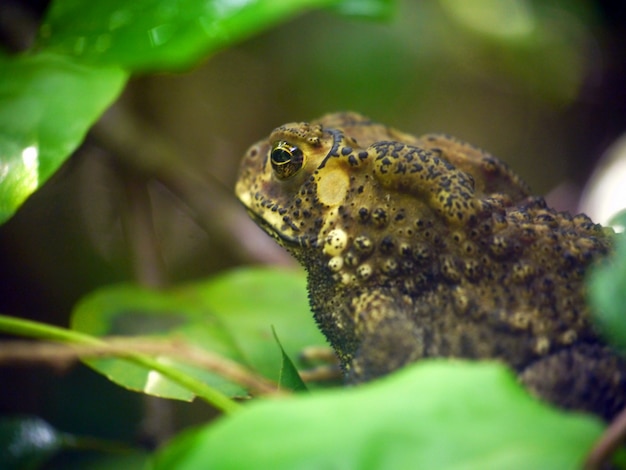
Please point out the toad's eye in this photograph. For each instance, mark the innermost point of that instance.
(287, 159)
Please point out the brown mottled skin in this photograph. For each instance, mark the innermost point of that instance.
(420, 247)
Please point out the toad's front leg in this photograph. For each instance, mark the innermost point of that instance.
(389, 337)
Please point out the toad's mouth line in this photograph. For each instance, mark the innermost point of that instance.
(268, 228)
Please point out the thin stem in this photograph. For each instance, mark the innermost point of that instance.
(612, 438)
(60, 354)
(31, 329)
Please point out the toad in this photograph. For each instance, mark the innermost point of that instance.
(423, 247)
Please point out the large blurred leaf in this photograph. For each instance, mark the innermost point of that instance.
(47, 104)
(157, 34)
(48, 101)
(440, 414)
(231, 315)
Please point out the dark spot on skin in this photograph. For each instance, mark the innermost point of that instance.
(387, 244)
(364, 214)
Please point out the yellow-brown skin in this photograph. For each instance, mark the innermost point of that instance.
(426, 246)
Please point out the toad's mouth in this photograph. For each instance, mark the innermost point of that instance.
(280, 236)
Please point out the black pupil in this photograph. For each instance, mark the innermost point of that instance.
(281, 156)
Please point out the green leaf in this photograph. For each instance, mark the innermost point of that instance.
(187, 385)
(607, 291)
(48, 101)
(289, 377)
(47, 104)
(165, 34)
(437, 414)
(231, 315)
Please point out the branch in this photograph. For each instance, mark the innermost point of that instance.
(613, 437)
(61, 355)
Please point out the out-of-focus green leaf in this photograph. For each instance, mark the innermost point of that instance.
(439, 414)
(26, 442)
(249, 302)
(48, 101)
(607, 291)
(186, 387)
(165, 34)
(231, 315)
(47, 104)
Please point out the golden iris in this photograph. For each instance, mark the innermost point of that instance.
(286, 159)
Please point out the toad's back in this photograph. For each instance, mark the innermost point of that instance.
(425, 247)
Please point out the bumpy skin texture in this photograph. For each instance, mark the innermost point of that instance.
(421, 247)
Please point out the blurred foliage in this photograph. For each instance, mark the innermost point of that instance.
(538, 82)
(39, 129)
(158, 35)
(147, 34)
(441, 414)
(211, 315)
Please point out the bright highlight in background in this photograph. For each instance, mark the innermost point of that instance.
(605, 193)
